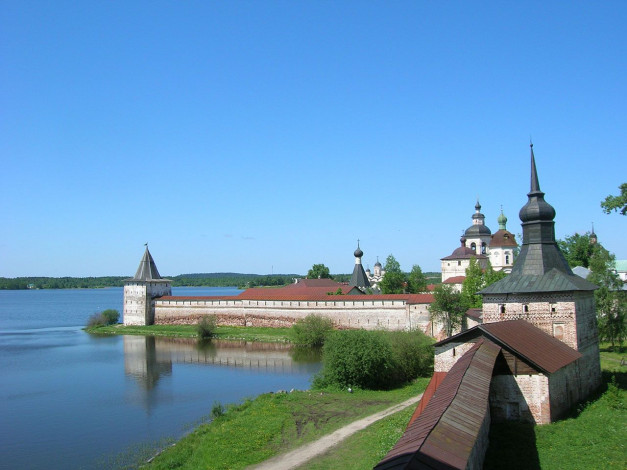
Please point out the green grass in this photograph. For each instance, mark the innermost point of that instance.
(595, 437)
(274, 423)
(366, 448)
(190, 331)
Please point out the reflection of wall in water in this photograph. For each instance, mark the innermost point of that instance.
(141, 360)
(146, 358)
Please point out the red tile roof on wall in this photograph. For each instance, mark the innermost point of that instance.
(307, 296)
(455, 280)
(444, 434)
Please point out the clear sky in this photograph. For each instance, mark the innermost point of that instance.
(265, 136)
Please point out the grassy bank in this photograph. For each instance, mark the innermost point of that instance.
(594, 437)
(274, 423)
(239, 333)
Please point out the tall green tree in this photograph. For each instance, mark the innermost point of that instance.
(616, 203)
(391, 265)
(394, 280)
(447, 308)
(474, 282)
(577, 249)
(610, 299)
(319, 271)
(417, 281)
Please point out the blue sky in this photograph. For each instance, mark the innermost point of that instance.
(265, 137)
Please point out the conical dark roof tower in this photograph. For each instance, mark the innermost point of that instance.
(540, 266)
(147, 270)
(359, 278)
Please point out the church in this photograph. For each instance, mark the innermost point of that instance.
(480, 243)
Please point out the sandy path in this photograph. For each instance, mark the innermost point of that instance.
(302, 454)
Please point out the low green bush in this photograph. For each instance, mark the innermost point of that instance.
(207, 326)
(311, 331)
(107, 317)
(376, 360)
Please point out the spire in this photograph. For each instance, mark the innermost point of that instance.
(593, 236)
(538, 233)
(147, 270)
(540, 265)
(359, 277)
(535, 183)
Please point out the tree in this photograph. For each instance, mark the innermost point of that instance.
(319, 271)
(447, 308)
(616, 203)
(474, 282)
(577, 249)
(394, 281)
(477, 279)
(391, 265)
(610, 299)
(417, 281)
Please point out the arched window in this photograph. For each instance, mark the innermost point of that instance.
(483, 247)
(473, 247)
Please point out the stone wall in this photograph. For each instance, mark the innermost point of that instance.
(477, 454)
(354, 313)
(139, 300)
(520, 398)
(555, 314)
(448, 354)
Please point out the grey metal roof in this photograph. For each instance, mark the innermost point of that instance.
(359, 278)
(540, 266)
(147, 270)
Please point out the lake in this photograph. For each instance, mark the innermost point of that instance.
(73, 400)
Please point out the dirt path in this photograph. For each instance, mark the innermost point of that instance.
(302, 454)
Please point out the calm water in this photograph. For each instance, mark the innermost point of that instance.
(72, 400)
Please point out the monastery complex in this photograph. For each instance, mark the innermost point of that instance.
(532, 354)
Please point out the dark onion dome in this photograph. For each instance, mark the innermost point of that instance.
(536, 209)
(358, 253)
(475, 230)
(377, 263)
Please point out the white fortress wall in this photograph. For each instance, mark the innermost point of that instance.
(367, 314)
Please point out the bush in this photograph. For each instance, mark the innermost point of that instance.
(111, 316)
(377, 360)
(207, 326)
(311, 330)
(108, 317)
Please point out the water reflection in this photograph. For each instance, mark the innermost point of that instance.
(148, 358)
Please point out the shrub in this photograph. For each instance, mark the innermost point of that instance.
(374, 359)
(217, 410)
(111, 316)
(207, 326)
(311, 330)
(107, 317)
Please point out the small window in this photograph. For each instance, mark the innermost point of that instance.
(483, 248)
(453, 352)
(553, 308)
(526, 308)
(473, 247)
(459, 263)
(501, 308)
(506, 259)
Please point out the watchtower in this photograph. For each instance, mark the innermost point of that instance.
(141, 291)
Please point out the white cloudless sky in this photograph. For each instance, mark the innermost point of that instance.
(263, 137)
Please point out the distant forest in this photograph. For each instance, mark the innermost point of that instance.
(189, 280)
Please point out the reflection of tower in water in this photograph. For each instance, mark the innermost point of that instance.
(141, 361)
